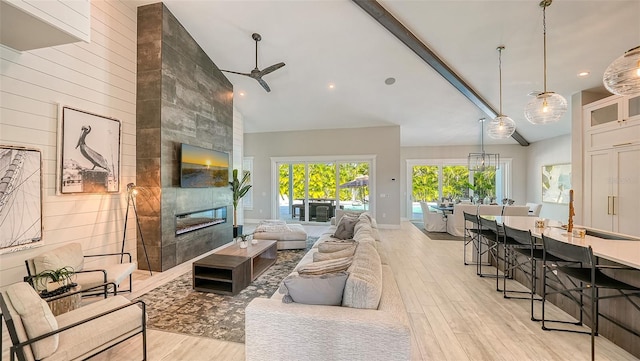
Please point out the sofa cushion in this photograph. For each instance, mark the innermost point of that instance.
(69, 255)
(363, 288)
(345, 228)
(328, 266)
(341, 213)
(325, 289)
(36, 317)
(324, 256)
(335, 245)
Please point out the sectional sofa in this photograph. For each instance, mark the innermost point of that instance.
(371, 322)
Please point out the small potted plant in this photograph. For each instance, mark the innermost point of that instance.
(244, 240)
(52, 280)
(239, 187)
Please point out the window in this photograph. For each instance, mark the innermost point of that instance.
(432, 181)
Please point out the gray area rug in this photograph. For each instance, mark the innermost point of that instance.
(436, 236)
(176, 307)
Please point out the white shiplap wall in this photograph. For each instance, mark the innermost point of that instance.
(99, 77)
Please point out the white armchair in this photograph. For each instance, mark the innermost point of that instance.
(70, 255)
(76, 335)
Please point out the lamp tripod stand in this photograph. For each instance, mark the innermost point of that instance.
(131, 192)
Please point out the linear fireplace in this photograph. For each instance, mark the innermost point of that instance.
(189, 222)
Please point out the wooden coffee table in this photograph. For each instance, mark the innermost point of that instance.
(231, 269)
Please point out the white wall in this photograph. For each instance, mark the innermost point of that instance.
(551, 151)
(382, 142)
(99, 77)
(517, 154)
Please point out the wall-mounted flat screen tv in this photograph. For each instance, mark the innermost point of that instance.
(203, 168)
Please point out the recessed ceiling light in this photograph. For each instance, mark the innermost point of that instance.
(390, 80)
(241, 94)
(331, 86)
(582, 74)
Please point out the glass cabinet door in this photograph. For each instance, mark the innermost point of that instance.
(634, 108)
(605, 114)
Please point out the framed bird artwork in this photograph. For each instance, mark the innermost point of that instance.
(90, 153)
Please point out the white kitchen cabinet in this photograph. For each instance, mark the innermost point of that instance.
(612, 189)
(612, 122)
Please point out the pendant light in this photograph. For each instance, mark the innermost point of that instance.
(546, 107)
(622, 77)
(501, 127)
(479, 162)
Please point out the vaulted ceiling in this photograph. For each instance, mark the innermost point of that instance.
(335, 42)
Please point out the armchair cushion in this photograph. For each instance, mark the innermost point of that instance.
(69, 255)
(36, 317)
(83, 339)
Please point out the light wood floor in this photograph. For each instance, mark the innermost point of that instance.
(454, 314)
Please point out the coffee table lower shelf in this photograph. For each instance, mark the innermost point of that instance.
(233, 268)
(222, 274)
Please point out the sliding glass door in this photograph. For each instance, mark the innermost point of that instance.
(443, 182)
(311, 191)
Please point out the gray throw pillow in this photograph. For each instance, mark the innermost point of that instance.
(344, 230)
(324, 289)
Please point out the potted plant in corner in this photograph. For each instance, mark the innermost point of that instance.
(239, 187)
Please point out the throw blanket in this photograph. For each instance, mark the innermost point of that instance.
(272, 226)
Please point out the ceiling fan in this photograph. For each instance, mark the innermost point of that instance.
(256, 73)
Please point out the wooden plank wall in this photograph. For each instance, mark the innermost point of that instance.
(99, 77)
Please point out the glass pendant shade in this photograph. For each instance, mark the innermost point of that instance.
(622, 77)
(545, 108)
(501, 127)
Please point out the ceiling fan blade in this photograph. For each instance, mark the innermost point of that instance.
(271, 68)
(264, 84)
(235, 72)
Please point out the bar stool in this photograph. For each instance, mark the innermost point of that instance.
(491, 234)
(580, 265)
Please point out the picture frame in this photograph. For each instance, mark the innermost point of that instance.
(20, 198)
(556, 183)
(89, 160)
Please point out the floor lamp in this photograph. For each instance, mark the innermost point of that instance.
(131, 193)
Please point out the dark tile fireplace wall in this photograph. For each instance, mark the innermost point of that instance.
(182, 97)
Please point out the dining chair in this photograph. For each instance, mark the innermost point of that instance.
(584, 278)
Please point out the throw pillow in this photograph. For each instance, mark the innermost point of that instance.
(341, 212)
(329, 266)
(345, 228)
(323, 289)
(347, 252)
(335, 245)
(36, 317)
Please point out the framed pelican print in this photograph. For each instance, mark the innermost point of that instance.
(90, 153)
